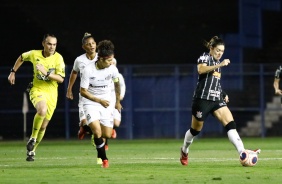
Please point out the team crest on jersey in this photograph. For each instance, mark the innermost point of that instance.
(222, 104)
(88, 117)
(203, 58)
(199, 114)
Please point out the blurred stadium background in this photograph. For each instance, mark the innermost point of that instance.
(157, 44)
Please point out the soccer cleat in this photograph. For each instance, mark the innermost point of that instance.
(106, 147)
(30, 156)
(81, 133)
(183, 157)
(30, 144)
(99, 161)
(114, 134)
(105, 164)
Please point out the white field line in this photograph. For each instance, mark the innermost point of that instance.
(130, 160)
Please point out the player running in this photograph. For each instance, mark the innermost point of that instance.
(90, 56)
(209, 98)
(95, 86)
(48, 71)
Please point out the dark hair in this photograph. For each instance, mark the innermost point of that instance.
(46, 35)
(215, 41)
(105, 48)
(86, 36)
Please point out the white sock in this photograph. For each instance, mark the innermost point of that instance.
(236, 140)
(187, 141)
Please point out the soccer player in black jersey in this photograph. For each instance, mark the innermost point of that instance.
(210, 99)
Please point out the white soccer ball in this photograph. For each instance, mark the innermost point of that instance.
(248, 158)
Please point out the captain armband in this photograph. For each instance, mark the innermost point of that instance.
(116, 79)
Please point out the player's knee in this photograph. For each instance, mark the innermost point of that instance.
(107, 134)
(230, 125)
(95, 129)
(194, 132)
(42, 112)
(98, 142)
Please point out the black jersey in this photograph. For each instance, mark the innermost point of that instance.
(278, 73)
(208, 86)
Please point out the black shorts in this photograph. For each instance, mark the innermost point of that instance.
(202, 108)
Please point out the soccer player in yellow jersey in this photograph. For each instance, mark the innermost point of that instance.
(48, 71)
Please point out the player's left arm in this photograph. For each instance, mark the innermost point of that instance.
(122, 87)
(50, 75)
(117, 91)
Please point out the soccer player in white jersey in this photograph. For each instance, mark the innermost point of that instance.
(90, 56)
(116, 113)
(95, 86)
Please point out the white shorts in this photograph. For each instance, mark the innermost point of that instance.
(117, 115)
(104, 115)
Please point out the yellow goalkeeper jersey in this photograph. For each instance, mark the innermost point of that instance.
(53, 64)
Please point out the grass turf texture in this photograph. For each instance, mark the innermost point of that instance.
(212, 160)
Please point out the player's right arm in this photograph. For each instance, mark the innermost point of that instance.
(72, 79)
(12, 76)
(84, 92)
(203, 68)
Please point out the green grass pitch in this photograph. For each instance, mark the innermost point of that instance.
(211, 160)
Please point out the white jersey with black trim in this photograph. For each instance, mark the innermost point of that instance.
(81, 61)
(98, 82)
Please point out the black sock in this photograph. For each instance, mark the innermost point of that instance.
(100, 147)
(87, 129)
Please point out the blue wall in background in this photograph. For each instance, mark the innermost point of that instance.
(157, 103)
